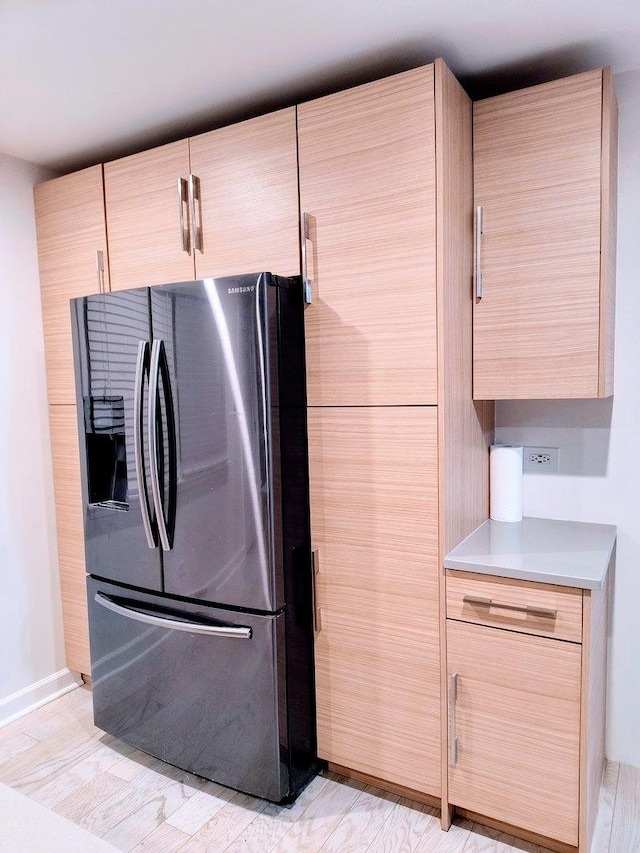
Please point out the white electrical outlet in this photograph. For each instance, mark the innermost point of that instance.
(542, 459)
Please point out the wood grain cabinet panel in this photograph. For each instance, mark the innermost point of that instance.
(374, 500)
(545, 177)
(248, 175)
(367, 183)
(544, 609)
(517, 722)
(70, 226)
(66, 472)
(143, 217)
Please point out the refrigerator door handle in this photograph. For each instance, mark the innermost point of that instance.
(142, 368)
(154, 382)
(240, 632)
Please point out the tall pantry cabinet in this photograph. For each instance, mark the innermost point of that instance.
(72, 255)
(397, 449)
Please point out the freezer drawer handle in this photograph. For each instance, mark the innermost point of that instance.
(142, 368)
(239, 632)
(529, 609)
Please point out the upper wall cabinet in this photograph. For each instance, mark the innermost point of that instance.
(148, 217)
(217, 204)
(545, 180)
(368, 190)
(248, 176)
(72, 254)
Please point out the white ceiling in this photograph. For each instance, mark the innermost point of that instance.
(88, 80)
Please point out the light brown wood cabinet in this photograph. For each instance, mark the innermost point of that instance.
(71, 230)
(397, 450)
(244, 207)
(69, 520)
(374, 499)
(545, 178)
(526, 705)
(72, 255)
(368, 186)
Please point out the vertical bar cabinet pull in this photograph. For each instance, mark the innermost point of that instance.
(478, 266)
(453, 739)
(183, 202)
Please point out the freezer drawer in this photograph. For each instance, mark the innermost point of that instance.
(197, 686)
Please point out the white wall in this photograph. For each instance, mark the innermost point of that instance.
(599, 441)
(31, 640)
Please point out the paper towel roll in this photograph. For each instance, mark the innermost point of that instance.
(505, 478)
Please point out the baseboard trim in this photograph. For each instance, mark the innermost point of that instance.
(35, 695)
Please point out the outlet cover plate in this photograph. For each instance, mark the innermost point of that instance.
(543, 460)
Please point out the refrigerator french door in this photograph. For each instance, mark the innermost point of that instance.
(191, 401)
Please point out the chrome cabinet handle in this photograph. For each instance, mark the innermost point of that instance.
(222, 630)
(478, 266)
(183, 202)
(196, 222)
(100, 268)
(142, 368)
(307, 284)
(453, 739)
(315, 567)
(529, 609)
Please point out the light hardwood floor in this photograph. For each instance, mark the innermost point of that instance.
(59, 759)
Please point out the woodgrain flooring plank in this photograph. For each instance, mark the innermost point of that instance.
(606, 806)
(125, 802)
(132, 765)
(46, 758)
(268, 829)
(435, 840)
(88, 796)
(625, 830)
(134, 828)
(164, 839)
(483, 839)
(321, 817)
(73, 775)
(404, 828)
(226, 825)
(363, 822)
(193, 815)
(14, 743)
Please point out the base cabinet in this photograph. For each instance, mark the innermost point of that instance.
(515, 728)
(526, 705)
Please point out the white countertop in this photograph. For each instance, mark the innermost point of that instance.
(569, 553)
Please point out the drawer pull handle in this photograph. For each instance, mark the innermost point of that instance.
(529, 609)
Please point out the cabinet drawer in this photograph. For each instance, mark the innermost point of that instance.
(532, 608)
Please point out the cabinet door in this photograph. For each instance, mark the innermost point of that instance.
(144, 217)
(71, 230)
(517, 721)
(248, 175)
(66, 472)
(373, 475)
(367, 183)
(540, 328)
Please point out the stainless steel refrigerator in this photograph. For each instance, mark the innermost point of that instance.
(191, 402)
